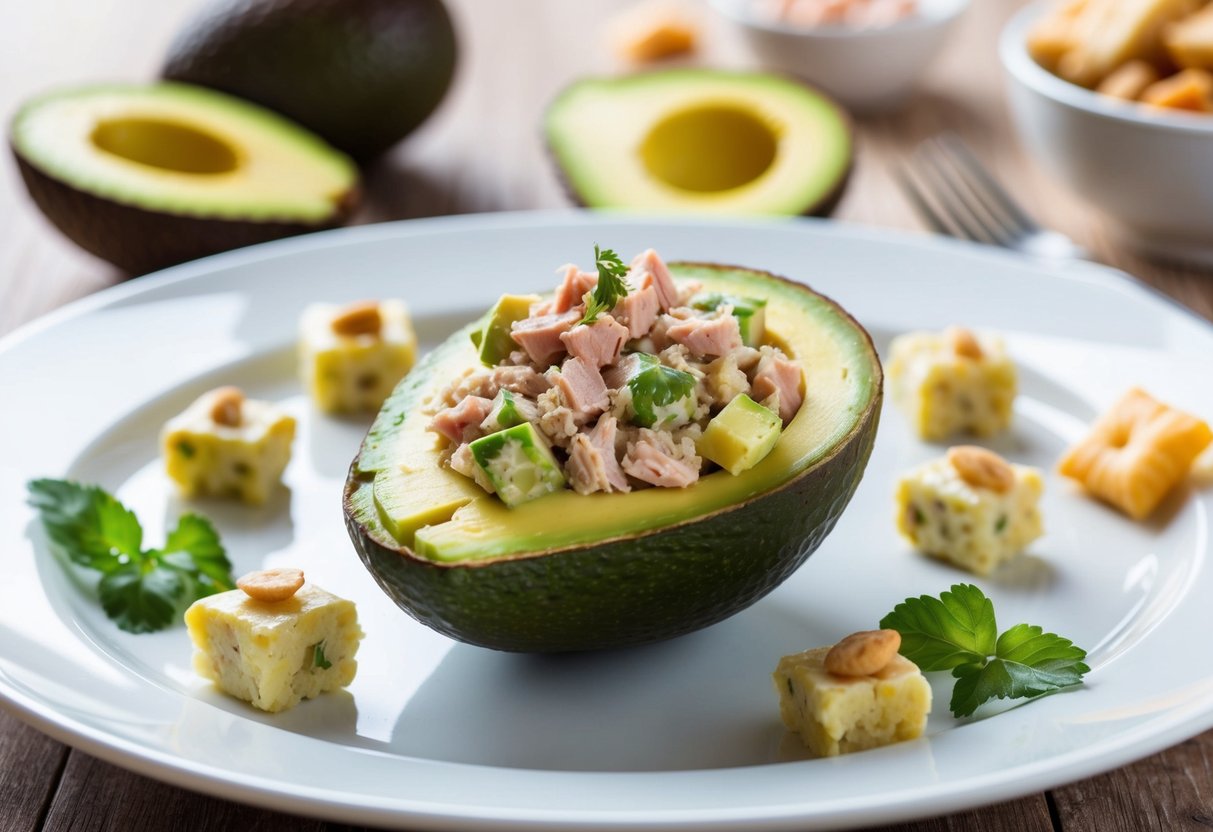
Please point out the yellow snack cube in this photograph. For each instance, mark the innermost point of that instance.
(275, 654)
(974, 527)
(1136, 453)
(952, 382)
(350, 370)
(840, 714)
(213, 449)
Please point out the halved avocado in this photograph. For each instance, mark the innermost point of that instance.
(150, 176)
(572, 572)
(699, 140)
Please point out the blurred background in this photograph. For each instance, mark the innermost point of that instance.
(483, 148)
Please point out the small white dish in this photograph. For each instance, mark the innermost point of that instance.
(1148, 169)
(682, 735)
(868, 70)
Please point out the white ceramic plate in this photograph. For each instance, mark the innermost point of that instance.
(683, 734)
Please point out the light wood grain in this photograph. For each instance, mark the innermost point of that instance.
(482, 152)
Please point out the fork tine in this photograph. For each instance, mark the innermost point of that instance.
(967, 202)
(920, 203)
(953, 205)
(984, 183)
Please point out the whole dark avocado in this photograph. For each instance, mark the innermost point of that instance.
(569, 572)
(360, 73)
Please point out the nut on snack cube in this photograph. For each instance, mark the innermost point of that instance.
(224, 445)
(351, 357)
(840, 714)
(969, 523)
(275, 654)
(952, 382)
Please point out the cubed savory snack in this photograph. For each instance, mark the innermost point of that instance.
(225, 445)
(951, 382)
(275, 641)
(856, 695)
(1136, 453)
(1157, 52)
(970, 508)
(352, 356)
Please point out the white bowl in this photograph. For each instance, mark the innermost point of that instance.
(868, 70)
(1149, 170)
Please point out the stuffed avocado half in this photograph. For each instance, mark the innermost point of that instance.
(570, 571)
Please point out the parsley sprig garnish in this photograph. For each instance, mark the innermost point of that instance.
(141, 590)
(958, 632)
(611, 285)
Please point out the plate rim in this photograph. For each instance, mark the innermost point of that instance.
(1192, 717)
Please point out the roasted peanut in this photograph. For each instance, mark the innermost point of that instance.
(271, 585)
(863, 653)
(964, 342)
(227, 405)
(361, 318)
(981, 468)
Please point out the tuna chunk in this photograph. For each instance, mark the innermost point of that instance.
(707, 336)
(540, 335)
(582, 388)
(779, 374)
(638, 310)
(460, 422)
(572, 288)
(645, 461)
(523, 380)
(598, 343)
(592, 465)
(649, 263)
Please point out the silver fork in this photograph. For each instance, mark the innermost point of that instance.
(956, 196)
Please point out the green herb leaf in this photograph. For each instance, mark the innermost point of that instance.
(956, 632)
(653, 385)
(142, 600)
(85, 524)
(142, 590)
(941, 633)
(318, 659)
(611, 285)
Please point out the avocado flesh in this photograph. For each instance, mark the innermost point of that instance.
(571, 572)
(485, 528)
(149, 176)
(696, 140)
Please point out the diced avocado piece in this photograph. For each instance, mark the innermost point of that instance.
(409, 500)
(519, 464)
(662, 397)
(751, 313)
(494, 341)
(509, 410)
(741, 435)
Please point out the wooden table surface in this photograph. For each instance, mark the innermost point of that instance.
(482, 152)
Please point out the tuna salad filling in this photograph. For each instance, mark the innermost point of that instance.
(622, 379)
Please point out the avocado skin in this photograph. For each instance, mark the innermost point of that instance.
(360, 73)
(138, 241)
(629, 591)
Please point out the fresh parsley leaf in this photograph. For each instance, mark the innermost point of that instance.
(85, 524)
(653, 385)
(941, 633)
(611, 285)
(140, 599)
(956, 632)
(197, 539)
(142, 590)
(318, 659)
(1029, 663)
